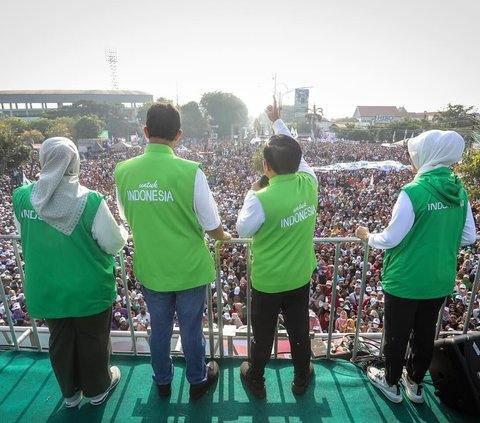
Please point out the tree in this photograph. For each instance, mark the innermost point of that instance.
(143, 109)
(31, 137)
(142, 113)
(456, 116)
(60, 127)
(16, 125)
(164, 100)
(88, 127)
(469, 169)
(224, 110)
(13, 153)
(39, 125)
(355, 134)
(193, 122)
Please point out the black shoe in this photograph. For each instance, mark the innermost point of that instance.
(300, 385)
(164, 390)
(256, 387)
(198, 390)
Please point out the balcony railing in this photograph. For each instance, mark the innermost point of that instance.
(136, 342)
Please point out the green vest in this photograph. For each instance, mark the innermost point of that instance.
(65, 276)
(283, 255)
(157, 193)
(424, 264)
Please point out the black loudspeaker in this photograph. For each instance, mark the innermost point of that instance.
(455, 371)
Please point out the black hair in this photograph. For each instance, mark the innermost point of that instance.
(163, 121)
(283, 154)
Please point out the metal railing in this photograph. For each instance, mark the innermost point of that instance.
(16, 336)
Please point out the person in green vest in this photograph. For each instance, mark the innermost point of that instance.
(281, 219)
(431, 218)
(68, 239)
(168, 205)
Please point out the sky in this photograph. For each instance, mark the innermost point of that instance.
(420, 54)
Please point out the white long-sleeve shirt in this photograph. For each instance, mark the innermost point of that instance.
(251, 217)
(203, 203)
(109, 236)
(402, 221)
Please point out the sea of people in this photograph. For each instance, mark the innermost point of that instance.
(347, 198)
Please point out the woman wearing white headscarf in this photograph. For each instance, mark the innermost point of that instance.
(68, 238)
(431, 218)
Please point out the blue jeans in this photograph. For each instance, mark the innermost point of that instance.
(189, 305)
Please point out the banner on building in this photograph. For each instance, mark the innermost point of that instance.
(301, 102)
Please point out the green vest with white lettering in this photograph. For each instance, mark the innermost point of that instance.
(283, 255)
(424, 264)
(65, 275)
(157, 193)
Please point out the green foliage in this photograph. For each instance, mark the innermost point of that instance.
(16, 125)
(60, 127)
(257, 160)
(224, 110)
(88, 127)
(31, 137)
(13, 153)
(455, 116)
(193, 122)
(40, 125)
(142, 113)
(355, 134)
(164, 100)
(118, 121)
(469, 170)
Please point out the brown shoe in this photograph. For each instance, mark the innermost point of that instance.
(256, 387)
(300, 385)
(198, 390)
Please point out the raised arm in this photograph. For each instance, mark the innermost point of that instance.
(280, 128)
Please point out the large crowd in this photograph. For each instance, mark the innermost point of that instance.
(347, 199)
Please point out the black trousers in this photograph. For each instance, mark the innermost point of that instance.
(406, 319)
(265, 309)
(80, 353)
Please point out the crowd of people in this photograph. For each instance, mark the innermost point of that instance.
(346, 198)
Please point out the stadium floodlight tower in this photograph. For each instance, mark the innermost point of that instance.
(111, 58)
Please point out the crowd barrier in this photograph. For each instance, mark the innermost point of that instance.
(223, 340)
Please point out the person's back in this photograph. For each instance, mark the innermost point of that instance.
(89, 268)
(431, 218)
(157, 194)
(68, 238)
(282, 247)
(168, 205)
(281, 219)
(439, 201)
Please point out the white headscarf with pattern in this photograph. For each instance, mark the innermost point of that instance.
(57, 197)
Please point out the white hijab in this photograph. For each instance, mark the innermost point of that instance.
(57, 197)
(433, 149)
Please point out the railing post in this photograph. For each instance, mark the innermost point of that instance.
(360, 302)
(472, 299)
(248, 254)
(439, 320)
(218, 284)
(9, 316)
(334, 300)
(127, 299)
(22, 278)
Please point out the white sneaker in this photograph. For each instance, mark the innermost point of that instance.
(99, 399)
(74, 400)
(377, 377)
(414, 391)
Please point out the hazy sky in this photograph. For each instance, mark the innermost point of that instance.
(421, 54)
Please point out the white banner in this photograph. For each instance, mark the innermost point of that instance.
(387, 166)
